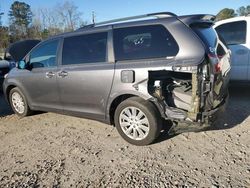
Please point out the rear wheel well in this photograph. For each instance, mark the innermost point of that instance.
(115, 103)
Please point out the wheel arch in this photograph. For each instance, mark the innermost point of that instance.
(10, 86)
(7, 91)
(115, 102)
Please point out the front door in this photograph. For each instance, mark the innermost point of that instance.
(85, 76)
(40, 81)
(235, 35)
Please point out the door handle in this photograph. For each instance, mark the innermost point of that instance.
(50, 74)
(63, 74)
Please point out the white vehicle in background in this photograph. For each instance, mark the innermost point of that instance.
(236, 33)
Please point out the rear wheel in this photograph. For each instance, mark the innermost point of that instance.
(137, 121)
(19, 103)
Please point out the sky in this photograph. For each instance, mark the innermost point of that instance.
(111, 9)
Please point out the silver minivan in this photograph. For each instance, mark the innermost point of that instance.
(132, 74)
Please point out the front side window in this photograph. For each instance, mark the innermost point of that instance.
(233, 33)
(44, 55)
(82, 49)
(144, 42)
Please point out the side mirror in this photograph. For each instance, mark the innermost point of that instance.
(22, 64)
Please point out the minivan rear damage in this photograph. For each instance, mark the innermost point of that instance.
(186, 96)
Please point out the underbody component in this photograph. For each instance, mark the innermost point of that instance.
(177, 93)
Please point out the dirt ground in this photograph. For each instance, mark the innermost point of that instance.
(51, 150)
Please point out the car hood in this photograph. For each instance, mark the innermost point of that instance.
(4, 64)
(18, 50)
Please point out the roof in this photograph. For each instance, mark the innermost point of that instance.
(187, 19)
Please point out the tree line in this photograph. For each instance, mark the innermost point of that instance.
(230, 13)
(25, 23)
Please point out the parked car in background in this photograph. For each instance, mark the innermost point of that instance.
(13, 54)
(4, 69)
(132, 74)
(236, 34)
(6, 64)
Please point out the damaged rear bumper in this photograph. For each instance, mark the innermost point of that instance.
(212, 115)
(208, 117)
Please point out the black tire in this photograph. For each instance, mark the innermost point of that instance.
(27, 110)
(152, 115)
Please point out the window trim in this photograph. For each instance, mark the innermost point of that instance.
(158, 59)
(41, 44)
(85, 64)
(232, 23)
(143, 59)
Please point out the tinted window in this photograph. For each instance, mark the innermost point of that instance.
(144, 42)
(233, 33)
(85, 49)
(44, 55)
(207, 35)
(220, 51)
(223, 41)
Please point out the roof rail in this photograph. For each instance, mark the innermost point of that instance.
(157, 15)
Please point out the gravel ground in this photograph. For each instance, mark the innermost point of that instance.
(51, 150)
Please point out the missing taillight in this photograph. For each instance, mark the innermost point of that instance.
(215, 60)
(218, 67)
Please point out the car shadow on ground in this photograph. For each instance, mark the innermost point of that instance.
(237, 111)
(5, 109)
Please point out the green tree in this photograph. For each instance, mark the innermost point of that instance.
(4, 38)
(20, 17)
(4, 35)
(225, 14)
(243, 11)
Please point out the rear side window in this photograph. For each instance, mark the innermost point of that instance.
(44, 55)
(234, 32)
(144, 42)
(82, 49)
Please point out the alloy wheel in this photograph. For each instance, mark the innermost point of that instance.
(134, 123)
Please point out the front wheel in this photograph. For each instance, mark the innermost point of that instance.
(19, 103)
(137, 121)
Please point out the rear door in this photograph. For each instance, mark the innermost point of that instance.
(235, 35)
(85, 75)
